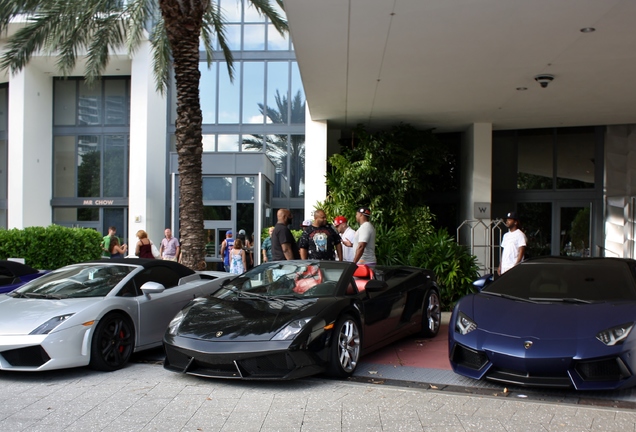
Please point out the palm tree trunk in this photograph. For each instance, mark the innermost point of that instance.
(183, 20)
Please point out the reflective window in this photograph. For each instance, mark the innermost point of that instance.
(297, 165)
(64, 112)
(228, 143)
(89, 109)
(209, 143)
(229, 94)
(277, 85)
(233, 36)
(207, 92)
(115, 165)
(254, 37)
(231, 10)
(117, 102)
(535, 159)
(217, 188)
(298, 96)
(575, 158)
(74, 214)
(64, 166)
(245, 218)
(217, 213)
(88, 166)
(245, 188)
(251, 14)
(252, 143)
(253, 92)
(275, 41)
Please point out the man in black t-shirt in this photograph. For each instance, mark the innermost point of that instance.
(284, 246)
(320, 241)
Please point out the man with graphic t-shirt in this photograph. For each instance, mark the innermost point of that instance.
(319, 240)
(364, 240)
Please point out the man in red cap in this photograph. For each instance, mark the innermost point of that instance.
(347, 234)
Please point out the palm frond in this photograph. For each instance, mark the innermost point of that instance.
(139, 14)
(161, 55)
(265, 8)
(213, 20)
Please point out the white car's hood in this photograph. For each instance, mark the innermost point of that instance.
(20, 316)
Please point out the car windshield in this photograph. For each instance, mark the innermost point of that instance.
(81, 280)
(580, 281)
(286, 279)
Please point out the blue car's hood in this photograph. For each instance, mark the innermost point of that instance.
(545, 320)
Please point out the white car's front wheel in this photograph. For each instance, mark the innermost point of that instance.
(113, 342)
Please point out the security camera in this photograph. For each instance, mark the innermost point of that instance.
(544, 79)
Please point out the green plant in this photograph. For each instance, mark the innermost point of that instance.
(50, 247)
(453, 265)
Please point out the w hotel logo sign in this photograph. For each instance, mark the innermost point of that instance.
(481, 210)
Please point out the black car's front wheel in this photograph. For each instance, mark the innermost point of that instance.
(345, 348)
(113, 343)
(431, 314)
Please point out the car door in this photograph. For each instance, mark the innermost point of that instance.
(156, 310)
(382, 312)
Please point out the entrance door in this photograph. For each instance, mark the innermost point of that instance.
(557, 227)
(214, 235)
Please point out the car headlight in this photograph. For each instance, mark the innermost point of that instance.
(176, 321)
(615, 335)
(291, 329)
(48, 326)
(464, 325)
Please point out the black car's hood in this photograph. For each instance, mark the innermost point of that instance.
(244, 318)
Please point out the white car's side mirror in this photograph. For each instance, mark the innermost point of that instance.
(152, 288)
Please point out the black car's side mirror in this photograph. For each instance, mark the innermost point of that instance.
(483, 281)
(375, 285)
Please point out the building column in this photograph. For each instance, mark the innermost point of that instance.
(148, 151)
(315, 163)
(476, 190)
(30, 158)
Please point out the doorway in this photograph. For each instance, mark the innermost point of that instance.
(557, 228)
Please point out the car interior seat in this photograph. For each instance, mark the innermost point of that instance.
(362, 275)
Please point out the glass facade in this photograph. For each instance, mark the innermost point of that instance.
(91, 152)
(260, 110)
(552, 178)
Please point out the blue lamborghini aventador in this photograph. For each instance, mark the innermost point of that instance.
(550, 322)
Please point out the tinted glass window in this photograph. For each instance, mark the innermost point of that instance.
(163, 275)
(590, 280)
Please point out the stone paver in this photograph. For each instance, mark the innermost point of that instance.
(145, 397)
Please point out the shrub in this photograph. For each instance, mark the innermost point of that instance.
(453, 265)
(50, 247)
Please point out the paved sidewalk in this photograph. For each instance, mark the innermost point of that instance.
(145, 397)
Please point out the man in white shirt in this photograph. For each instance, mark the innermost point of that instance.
(364, 240)
(347, 234)
(513, 244)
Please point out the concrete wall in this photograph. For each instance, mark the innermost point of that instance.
(30, 155)
(315, 163)
(148, 153)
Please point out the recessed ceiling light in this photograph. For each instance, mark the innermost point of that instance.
(522, 88)
(588, 30)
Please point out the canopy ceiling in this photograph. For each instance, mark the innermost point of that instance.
(450, 63)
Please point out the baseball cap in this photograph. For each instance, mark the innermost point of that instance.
(512, 215)
(228, 232)
(306, 223)
(365, 211)
(241, 232)
(339, 220)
